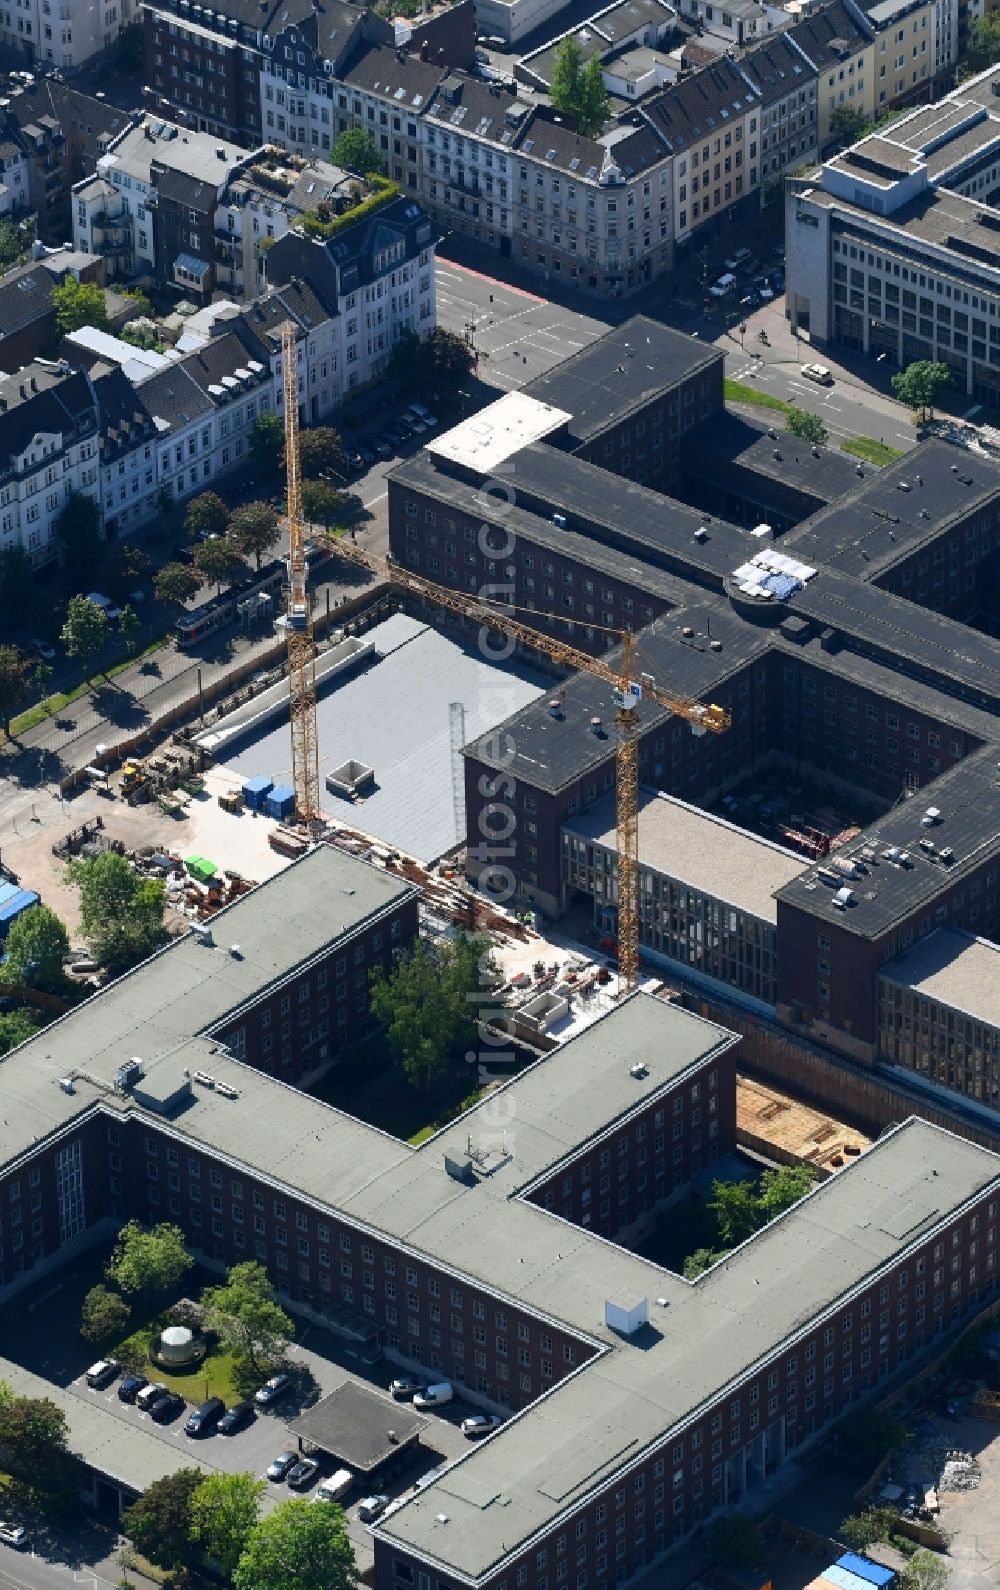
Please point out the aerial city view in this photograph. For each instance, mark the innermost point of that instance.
(500, 794)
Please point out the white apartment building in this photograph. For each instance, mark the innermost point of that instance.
(63, 33)
(49, 442)
(13, 178)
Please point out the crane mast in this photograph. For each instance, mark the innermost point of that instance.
(301, 648)
(628, 687)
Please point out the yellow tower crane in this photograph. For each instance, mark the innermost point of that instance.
(628, 688)
(301, 648)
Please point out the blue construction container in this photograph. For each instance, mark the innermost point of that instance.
(13, 900)
(256, 791)
(281, 802)
(873, 1572)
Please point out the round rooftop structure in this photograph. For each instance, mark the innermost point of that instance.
(177, 1345)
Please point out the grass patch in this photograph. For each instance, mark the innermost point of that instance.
(215, 1376)
(740, 392)
(53, 705)
(868, 448)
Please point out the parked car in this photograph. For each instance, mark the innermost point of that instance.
(763, 286)
(480, 1424)
(405, 1387)
(236, 1418)
(131, 1387)
(103, 1373)
(366, 455)
(371, 1508)
(355, 463)
(434, 1396)
(148, 1395)
(167, 1406)
(751, 301)
(43, 649)
(819, 373)
(203, 1419)
(382, 447)
(723, 287)
(283, 1463)
(302, 1473)
(429, 419)
(272, 1390)
(332, 1489)
(738, 259)
(13, 1535)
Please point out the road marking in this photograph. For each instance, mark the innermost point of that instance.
(975, 409)
(371, 503)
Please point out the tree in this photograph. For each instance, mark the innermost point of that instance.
(148, 1261)
(16, 1026)
(847, 125)
(104, 1316)
(809, 427)
(177, 582)
(143, 303)
(15, 690)
(780, 1189)
(254, 529)
(33, 1439)
(357, 151)
(875, 1525)
(920, 385)
(247, 1316)
(78, 304)
(41, 673)
(159, 1523)
(140, 335)
(925, 1571)
(983, 49)
(16, 579)
(224, 1515)
(129, 625)
(567, 72)
(322, 502)
(36, 947)
(129, 564)
(207, 515)
(132, 47)
(218, 561)
(299, 1543)
(268, 438)
(121, 913)
(592, 107)
(699, 1261)
(425, 1006)
(450, 357)
(85, 632)
(79, 530)
(320, 449)
(733, 1205)
(734, 1542)
(13, 243)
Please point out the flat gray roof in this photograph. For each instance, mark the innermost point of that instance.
(698, 849)
(362, 1428)
(955, 968)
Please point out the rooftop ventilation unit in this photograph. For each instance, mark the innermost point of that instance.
(203, 933)
(638, 1072)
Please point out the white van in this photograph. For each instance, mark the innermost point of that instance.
(335, 1487)
(819, 373)
(435, 1396)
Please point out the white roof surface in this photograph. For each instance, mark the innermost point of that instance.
(487, 439)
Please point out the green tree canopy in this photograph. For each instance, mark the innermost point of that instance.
(206, 514)
(78, 528)
(36, 946)
(299, 1543)
(983, 50)
(871, 1527)
(16, 1026)
(592, 109)
(247, 1316)
(15, 686)
(926, 1570)
(13, 243)
(33, 1439)
(224, 1515)
(121, 912)
(356, 150)
(17, 577)
(268, 438)
(699, 1261)
(254, 529)
(129, 625)
(807, 426)
(218, 561)
(780, 1189)
(735, 1209)
(734, 1542)
(159, 1523)
(920, 385)
(78, 304)
(424, 1004)
(177, 582)
(127, 565)
(148, 1262)
(578, 90)
(847, 125)
(320, 448)
(143, 303)
(104, 1316)
(322, 503)
(85, 632)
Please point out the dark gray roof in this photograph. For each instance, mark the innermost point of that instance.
(557, 145)
(359, 1426)
(644, 147)
(776, 68)
(700, 105)
(892, 512)
(125, 419)
(619, 372)
(89, 120)
(38, 399)
(468, 104)
(218, 359)
(830, 36)
(736, 443)
(174, 397)
(968, 798)
(346, 261)
(377, 68)
(25, 296)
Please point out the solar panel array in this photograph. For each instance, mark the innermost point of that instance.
(772, 576)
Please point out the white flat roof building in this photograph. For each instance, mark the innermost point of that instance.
(496, 433)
